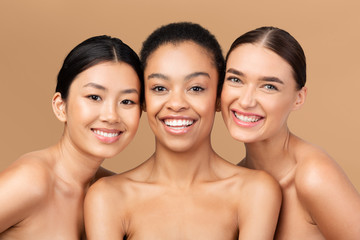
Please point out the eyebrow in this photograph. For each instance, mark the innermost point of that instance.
(196, 74)
(234, 71)
(130, 90)
(95, 85)
(98, 86)
(264, 79)
(158, 75)
(271, 79)
(187, 77)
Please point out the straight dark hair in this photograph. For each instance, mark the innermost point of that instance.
(93, 51)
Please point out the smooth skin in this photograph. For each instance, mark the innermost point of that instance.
(184, 190)
(259, 93)
(42, 193)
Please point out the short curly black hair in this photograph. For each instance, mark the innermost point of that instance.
(185, 31)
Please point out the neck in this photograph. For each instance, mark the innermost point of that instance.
(183, 169)
(74, 166)
(271, 155)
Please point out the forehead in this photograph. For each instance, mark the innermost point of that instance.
(111, 75)
(256, 59)
(180, 56)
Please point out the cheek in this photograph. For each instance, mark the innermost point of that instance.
(131, 118)
(205, 107)
(153, 104)
(205, 101)
(277, 108)
(81, 111)
(227, 97)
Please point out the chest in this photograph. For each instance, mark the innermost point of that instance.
(183, 217)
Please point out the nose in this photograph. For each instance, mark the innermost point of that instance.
(109, 113)
(248, 97)
(177, 101)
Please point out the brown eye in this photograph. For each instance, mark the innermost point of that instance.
(159, 89)
(94, 97)
(196, 89)
(127, 102)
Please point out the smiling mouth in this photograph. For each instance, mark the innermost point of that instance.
(247, 118)
(106, 134)
(178, 123)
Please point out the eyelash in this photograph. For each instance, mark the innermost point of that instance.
(127, 102)
(234, 79)
(94, 97)
(270, 87)
(197, 89)
(97, 98)
(162, 89)
(158, 89)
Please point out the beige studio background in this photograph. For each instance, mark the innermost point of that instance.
(36, 35)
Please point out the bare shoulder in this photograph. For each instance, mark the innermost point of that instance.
(316, 170)
(261, 185)
(112, 186)
(258, 200)
(31, 172)
(109, 201)
(105, 208)
(323, 188)
(24, 186)
(107, 185)
(318, 175)
(253, 183)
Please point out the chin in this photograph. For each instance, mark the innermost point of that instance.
(107, 153)
(180, 148)
(245, 138)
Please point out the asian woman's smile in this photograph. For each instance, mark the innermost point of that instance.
(103, 109)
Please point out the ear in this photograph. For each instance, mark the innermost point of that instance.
(59, 107)
(300, 98)
(218, 104)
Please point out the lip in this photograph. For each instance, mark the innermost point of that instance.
(177, 125)
(107, 135)
(246, 120)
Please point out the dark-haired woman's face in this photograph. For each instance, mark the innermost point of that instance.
(180, 93)
(258, 94)
(103, 109)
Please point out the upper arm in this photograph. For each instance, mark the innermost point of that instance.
(330, 198)
(102, 213)
(22, 187)
(259, 209)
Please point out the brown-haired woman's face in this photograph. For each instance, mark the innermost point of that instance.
(258, 94)
(103, 109)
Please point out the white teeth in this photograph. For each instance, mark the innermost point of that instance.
(105, 134)
(178, 123)
(247, 118)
